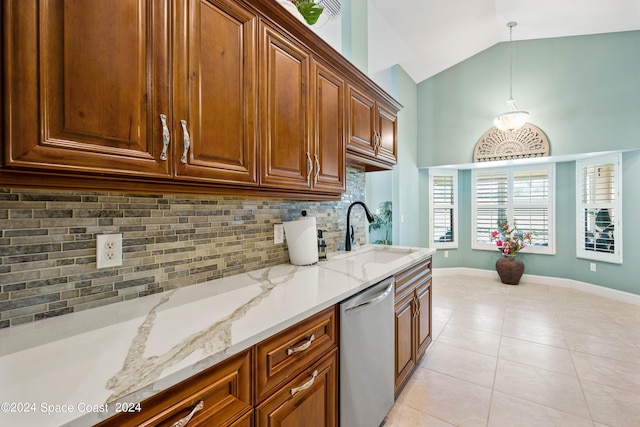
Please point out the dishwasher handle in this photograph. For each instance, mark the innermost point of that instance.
(376, 299)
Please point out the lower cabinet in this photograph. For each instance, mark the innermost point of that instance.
(412, 319)
(218, 396)
(405, 342)
(297, 374)
(309, 400)
(245, 421)
(289, 379)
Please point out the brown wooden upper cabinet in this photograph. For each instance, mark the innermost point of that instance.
(196, 96)
(90, 90)
(302, 106)
(329, 136)
(86, 84)
(215, 92)
(99, 99)
(372, 131)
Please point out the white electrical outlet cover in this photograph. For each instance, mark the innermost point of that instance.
(109, 250)
(278, 233)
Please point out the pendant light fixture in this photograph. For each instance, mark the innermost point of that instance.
(512, 119)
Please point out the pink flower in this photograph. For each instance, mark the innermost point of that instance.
(494, 234)
(499, 243)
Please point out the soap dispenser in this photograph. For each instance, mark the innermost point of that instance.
(322, 245)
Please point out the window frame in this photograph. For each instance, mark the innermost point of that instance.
(550, 205)
(615, 257)
(433, 172)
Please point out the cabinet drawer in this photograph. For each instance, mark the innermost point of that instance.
(224, 389)
(309, 400)
(408, 279)
(285, 355)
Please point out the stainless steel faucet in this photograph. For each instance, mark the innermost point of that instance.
(347, 242)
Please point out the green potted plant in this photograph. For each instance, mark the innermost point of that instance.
(309, 10)
(382, 221)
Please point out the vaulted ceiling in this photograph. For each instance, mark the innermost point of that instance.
(428, 36)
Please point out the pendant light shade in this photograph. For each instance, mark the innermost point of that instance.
(512, 119)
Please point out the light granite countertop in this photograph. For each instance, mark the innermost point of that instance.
(73, 370)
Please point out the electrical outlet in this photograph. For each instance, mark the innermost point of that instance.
(446, 254)
(109, 250)
(278, 233)
(592, 266)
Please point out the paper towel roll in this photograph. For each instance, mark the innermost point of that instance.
(302, 241)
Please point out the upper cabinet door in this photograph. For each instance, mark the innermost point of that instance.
(387, 134)
(86, 83)
(215, 92)
(284, 103)
(362, 123)
(372, 140)
(329, 130)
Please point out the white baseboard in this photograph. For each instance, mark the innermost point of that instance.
(546, 280)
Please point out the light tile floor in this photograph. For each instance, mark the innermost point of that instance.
(526, 355)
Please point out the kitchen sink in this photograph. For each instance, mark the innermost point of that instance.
(376, 255)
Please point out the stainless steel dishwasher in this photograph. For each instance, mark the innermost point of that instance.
(367, 356)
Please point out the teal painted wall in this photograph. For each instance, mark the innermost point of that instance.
(564, 264)
(584, 92)
(355, 42)
(406, 175)
(393, 185)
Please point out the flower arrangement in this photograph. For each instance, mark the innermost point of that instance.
(509, 241)
(309, 10)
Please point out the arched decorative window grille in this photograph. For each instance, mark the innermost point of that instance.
(528, 141)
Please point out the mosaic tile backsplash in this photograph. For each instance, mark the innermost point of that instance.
(48, 243)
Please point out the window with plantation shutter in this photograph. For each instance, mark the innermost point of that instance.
(519, 195)
(599, 208)
(443, 208)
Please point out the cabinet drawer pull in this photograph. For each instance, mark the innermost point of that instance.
(309, 168)
(315, 176)
(166, 137)
(183, 421)
(303, 347)
(187, 141)
(305, 385)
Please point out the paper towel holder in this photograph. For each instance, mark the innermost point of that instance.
(302, 240)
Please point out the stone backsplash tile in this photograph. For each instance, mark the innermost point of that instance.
(48, 240)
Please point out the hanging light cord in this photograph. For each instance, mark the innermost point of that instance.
(511, 25)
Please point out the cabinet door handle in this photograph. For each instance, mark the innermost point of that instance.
(187, 141)
(376, 144)
(305, 385)
(315, 176)
(166, 137)
(415, 307)
(303, 347)
(309, 168)
(183, 421)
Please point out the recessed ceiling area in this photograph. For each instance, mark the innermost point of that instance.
(428, 36)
